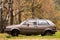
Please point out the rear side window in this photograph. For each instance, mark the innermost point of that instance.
(42, 22)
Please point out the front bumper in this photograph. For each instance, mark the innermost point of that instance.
(7, 31)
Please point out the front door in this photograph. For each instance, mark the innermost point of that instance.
(33, 27)
(24, 28)
(29, 27)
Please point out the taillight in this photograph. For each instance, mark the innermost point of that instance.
(54, 28)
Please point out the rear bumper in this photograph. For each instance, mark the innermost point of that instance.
(54, 31)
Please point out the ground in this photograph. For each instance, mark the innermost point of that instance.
(4, 36)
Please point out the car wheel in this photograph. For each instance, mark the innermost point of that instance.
(42, 34)
(48, 33)
(14, 32)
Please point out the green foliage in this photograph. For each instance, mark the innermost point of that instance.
(8, 36)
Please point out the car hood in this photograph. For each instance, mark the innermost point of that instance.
(13, 26)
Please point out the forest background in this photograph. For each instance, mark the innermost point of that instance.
(15, 11)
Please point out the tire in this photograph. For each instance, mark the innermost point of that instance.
(42, 34)
(48, 33)
(15, 32)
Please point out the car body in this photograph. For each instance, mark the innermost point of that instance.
(32, 26)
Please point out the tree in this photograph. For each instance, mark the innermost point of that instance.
(2, 20)
(20, 10)
(10, 11)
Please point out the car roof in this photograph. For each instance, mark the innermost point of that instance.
(38, 19)
(50, 22)
(35, 19)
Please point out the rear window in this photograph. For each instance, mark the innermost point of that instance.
(50, 22)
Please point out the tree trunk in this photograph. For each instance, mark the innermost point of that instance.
(19, 18)
(10, 11)
(32, 8)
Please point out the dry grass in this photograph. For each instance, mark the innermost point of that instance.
(30, 39)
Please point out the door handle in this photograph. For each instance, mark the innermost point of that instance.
(35, 26)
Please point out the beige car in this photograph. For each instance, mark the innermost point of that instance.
(32, 26)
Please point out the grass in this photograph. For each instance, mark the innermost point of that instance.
(5, 36)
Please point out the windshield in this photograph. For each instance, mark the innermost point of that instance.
(22, 22)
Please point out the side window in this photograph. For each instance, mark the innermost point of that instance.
(25, 23)
(30, 22)
(43, 23)
(35, 23)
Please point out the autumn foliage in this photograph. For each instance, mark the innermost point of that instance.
(22, 10)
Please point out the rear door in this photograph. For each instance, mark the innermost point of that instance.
(42, 24)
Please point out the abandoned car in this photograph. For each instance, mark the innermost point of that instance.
(32, 26)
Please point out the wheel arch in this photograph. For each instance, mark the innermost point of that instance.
(14, 29)
(48, 29)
